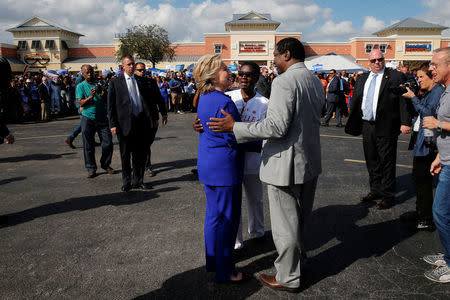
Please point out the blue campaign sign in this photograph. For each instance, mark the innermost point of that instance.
(233, 68)
(317, 67)
(179, 67)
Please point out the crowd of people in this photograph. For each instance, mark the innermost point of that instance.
(257, 127)
(27, 99)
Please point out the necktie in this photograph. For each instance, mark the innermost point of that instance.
(134, 96)
(369, 99)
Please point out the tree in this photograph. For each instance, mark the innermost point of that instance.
(149, 42)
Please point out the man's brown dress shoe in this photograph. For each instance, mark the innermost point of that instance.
(69, 143)
(385, 204)
(369, 197)
(271, 282)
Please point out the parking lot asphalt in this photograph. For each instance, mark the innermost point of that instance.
(69, 237)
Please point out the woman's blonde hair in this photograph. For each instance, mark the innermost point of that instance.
(205, 72)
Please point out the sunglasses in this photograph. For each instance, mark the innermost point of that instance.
(130, 64)
(248, 74)
(140, 70)
(381, 59)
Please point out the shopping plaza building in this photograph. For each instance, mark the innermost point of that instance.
(40, 44)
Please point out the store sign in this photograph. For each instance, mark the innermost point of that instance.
(252, 47)
(317, 67)
(38, 59)
(418, 46)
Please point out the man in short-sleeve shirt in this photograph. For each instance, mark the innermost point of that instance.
(94, 119)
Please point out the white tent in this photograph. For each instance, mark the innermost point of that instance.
(324, 63)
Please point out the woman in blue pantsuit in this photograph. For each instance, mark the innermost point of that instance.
(220, 166)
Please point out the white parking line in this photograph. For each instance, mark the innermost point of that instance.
(363, 162)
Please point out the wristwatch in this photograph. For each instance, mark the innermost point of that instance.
(439, 127)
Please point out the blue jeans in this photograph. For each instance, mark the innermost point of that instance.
(89, 127)
(76, 131)
(441, 210)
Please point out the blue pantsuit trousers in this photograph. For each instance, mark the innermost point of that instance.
(223, 212)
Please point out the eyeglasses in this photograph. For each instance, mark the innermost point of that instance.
(381, 59)
(248, 74)
(140, 70)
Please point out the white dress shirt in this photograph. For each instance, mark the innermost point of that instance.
(376, 94)
(131, 80)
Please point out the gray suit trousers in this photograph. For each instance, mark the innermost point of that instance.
(289, 208)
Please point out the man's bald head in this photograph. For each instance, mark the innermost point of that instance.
(376, 60)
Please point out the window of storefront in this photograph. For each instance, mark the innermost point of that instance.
(218, 48)
(369, 48)
(49, 44)
(36, 45)
(383, 48)
(22, 45)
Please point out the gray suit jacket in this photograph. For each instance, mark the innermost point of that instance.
(291, 148)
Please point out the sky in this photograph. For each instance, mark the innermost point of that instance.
(186, 21)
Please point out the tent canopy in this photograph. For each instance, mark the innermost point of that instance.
(324, 63)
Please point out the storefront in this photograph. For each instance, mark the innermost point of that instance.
(42, 44)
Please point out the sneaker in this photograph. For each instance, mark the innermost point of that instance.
(180, 112)
(435, 260)
(422, 225)
(440, 274)
(150, 172)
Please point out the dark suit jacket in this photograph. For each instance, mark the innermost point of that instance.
(334, 90)
(263, 86)
(158, 99)
(5, 78)
(392, 110)
(44, 94)
(119, 106)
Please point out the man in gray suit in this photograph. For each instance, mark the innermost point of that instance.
(290, 157)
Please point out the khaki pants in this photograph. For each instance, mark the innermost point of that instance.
(44, 111)
(176, 98)
(289, 207)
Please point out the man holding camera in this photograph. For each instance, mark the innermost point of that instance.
(94, 119)
(380, 115)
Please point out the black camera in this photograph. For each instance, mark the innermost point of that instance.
(410, 83)
(100, 87)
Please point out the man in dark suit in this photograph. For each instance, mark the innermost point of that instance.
(44, 91)
(263, 86)
(140, 72)
(132, 115)
(333, 99)
(380, 115)
(5, 78)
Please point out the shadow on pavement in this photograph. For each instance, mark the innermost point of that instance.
(405, 188)
(327, 223)
(38, 156)
(176, 164)
(80, 203)
(9, 180)
(198, 284)
(355, 242)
